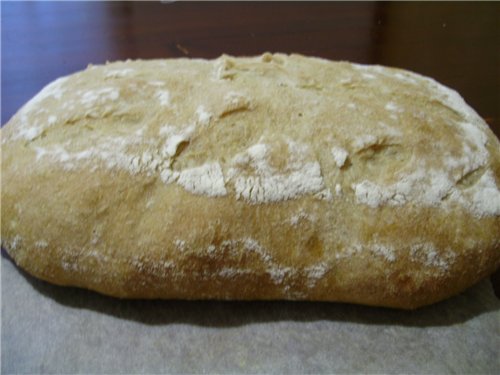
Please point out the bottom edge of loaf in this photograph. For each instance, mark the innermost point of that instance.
(236, 291)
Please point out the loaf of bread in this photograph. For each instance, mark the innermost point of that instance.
(269, 177)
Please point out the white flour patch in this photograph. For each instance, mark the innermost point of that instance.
(405, 78)
(163, 97)
(427, 254)
(338, 189)
(28, 133)
(273, 188)
(364, 141)
(235, 101)
(315, 273)
(145, 162)
(265, 183)
(346, 80)
(253, 246)
(204, 117)
(139, 132)
(42, 244)
(339, 156)
(180, 244)
(174, 138)
(51, 120)
(477, 138)
(384, 251)
(119, 73)
(393, 107)
(40, 152)
(53, 90)
(469, 161)
(371, 194)
(92, 98)
(168, 176)
(369, 68)
(16, 241)
(150, 203)
(325, 195)
(454, 101)
(300, 216)
(349, 252)
(485, 196)
(26, 129)
(204, 180)
(167, 130)
(278, 274)
(168, 264)
(111, 151)
(57, 153)
(429, 188)
(68, 266)
(389, 130)
(156, 83)
(172, 143)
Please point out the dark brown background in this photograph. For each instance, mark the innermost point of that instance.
(456, 43)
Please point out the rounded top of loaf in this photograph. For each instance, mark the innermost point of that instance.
(269, 129)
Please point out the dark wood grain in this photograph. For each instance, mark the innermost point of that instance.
(456, 43)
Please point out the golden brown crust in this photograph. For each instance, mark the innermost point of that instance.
(274, 177)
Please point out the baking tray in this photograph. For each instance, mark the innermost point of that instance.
(51, 329)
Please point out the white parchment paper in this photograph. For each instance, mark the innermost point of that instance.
(51, 329)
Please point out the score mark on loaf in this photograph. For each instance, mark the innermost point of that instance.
(269, 177)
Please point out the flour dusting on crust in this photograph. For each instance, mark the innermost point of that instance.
(251, 171)
(257, 181)
(206, 179)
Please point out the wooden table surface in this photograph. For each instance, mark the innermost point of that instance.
(455, 43)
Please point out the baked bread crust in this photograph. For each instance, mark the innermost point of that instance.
(269, 177)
